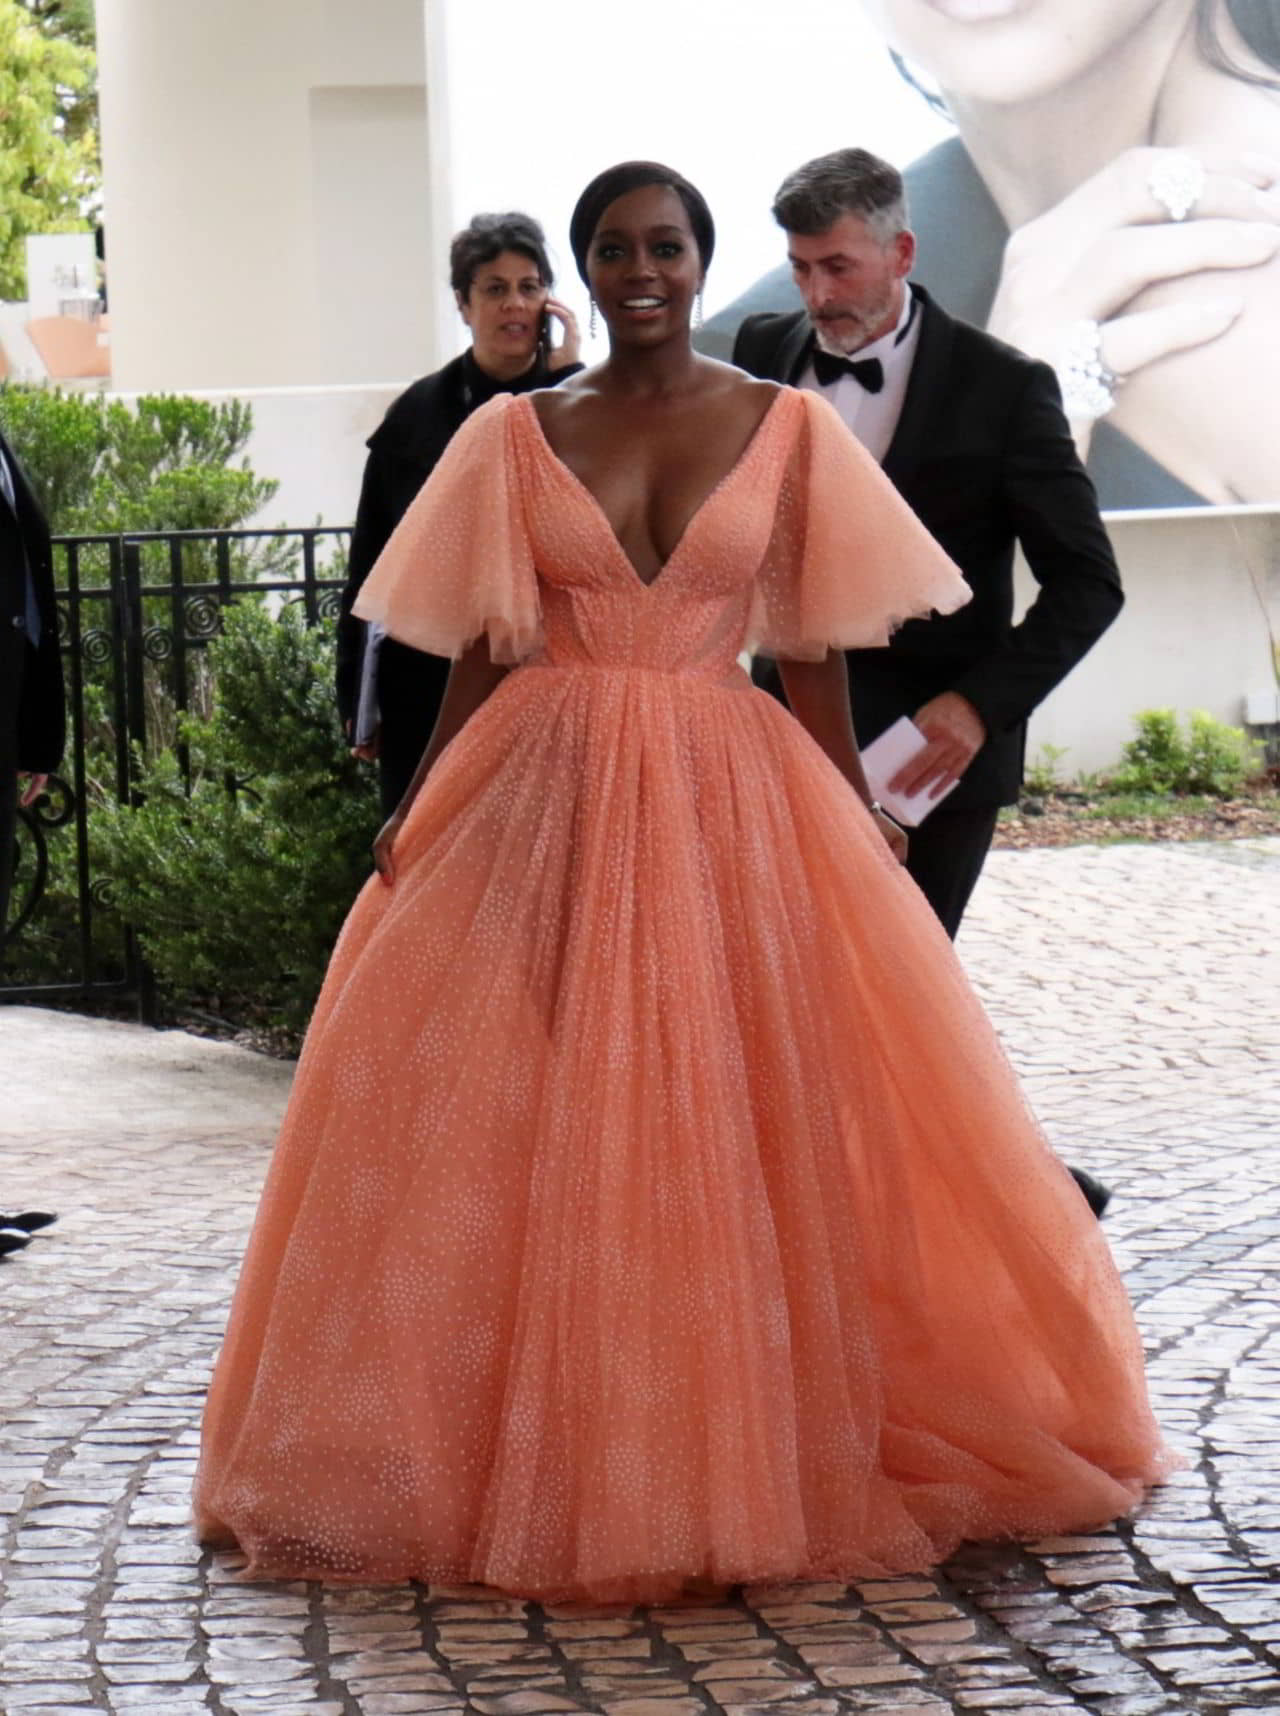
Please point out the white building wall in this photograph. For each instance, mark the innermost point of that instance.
(1197, 632)
(267, 202)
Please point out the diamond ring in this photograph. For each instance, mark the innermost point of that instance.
(1176, 181)
(1088, 386)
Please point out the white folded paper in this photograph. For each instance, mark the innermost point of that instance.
(881, 761)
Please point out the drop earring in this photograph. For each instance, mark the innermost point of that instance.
(697, 309)
(591, 320)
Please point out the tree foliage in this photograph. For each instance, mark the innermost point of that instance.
(49, 173)
(73, 19)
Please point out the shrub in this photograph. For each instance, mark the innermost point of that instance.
(1210, 757)
(238, 880)
(99, 466)
(1041, 777)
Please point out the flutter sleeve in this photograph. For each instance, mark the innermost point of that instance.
(848, 561)
(460, 563)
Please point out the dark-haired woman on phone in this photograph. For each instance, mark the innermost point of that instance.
(521, 338)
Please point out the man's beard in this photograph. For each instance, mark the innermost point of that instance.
(856, 328)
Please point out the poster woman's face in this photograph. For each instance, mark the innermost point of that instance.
(1011, 51)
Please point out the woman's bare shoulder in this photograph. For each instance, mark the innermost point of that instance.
(554, 406)
(729, 386)
(728, 378)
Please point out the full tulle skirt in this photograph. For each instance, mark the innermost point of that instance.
(654, 1201)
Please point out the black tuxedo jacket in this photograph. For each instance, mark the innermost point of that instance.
(403, 452)
(983, 455)
(32, 709)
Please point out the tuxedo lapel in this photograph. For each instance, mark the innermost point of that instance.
(926, 386)
(794, 350)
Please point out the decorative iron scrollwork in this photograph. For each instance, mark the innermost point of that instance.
(203, 616)
(157, 643)
(329, 605)
(52, 809)
(95, 647)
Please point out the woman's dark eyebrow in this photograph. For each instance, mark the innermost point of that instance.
(615, 232)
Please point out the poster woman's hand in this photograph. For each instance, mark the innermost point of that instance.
(1069, 274)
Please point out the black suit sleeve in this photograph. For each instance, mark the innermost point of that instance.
(42, 709)
(42, 712)
(1054, 514)
(376, 518)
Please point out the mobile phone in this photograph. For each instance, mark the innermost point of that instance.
(544, 333)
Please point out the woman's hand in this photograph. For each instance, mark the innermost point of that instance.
(569, 346)
(383, 846)
(895, 836)
(1087, 258)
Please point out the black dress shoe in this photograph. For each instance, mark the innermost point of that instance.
(29, 1221)
(1096, 1195)
(12, 1239)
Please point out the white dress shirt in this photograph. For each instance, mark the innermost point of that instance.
(873, 417)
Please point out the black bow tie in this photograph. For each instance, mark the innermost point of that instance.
(829, 368)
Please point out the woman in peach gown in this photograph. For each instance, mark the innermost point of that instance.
(654, 1203)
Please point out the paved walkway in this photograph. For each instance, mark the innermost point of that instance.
(1136, 988)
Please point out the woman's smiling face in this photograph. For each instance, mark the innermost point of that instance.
(1006, 52)
(643, 265)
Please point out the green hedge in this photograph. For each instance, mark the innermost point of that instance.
(237, 886)
(168, 462)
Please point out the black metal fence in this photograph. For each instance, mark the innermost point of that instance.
(136, 614)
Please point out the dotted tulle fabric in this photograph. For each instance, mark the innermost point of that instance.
(654, 1201)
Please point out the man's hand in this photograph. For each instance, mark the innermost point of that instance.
(956, 733)
(367, 753)
(34, 787)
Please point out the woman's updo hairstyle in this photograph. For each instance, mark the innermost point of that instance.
(615, 182)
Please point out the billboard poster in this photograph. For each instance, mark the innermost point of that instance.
(1095, 181)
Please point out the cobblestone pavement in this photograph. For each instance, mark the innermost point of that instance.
(1136, 988)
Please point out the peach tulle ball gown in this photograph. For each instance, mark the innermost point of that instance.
(654, 1202)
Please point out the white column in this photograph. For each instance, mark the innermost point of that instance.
(267, 192)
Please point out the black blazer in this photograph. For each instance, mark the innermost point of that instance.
(403, 452)
(34, 723)
(983, 455)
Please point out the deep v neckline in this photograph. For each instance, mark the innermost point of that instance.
(525, 400)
